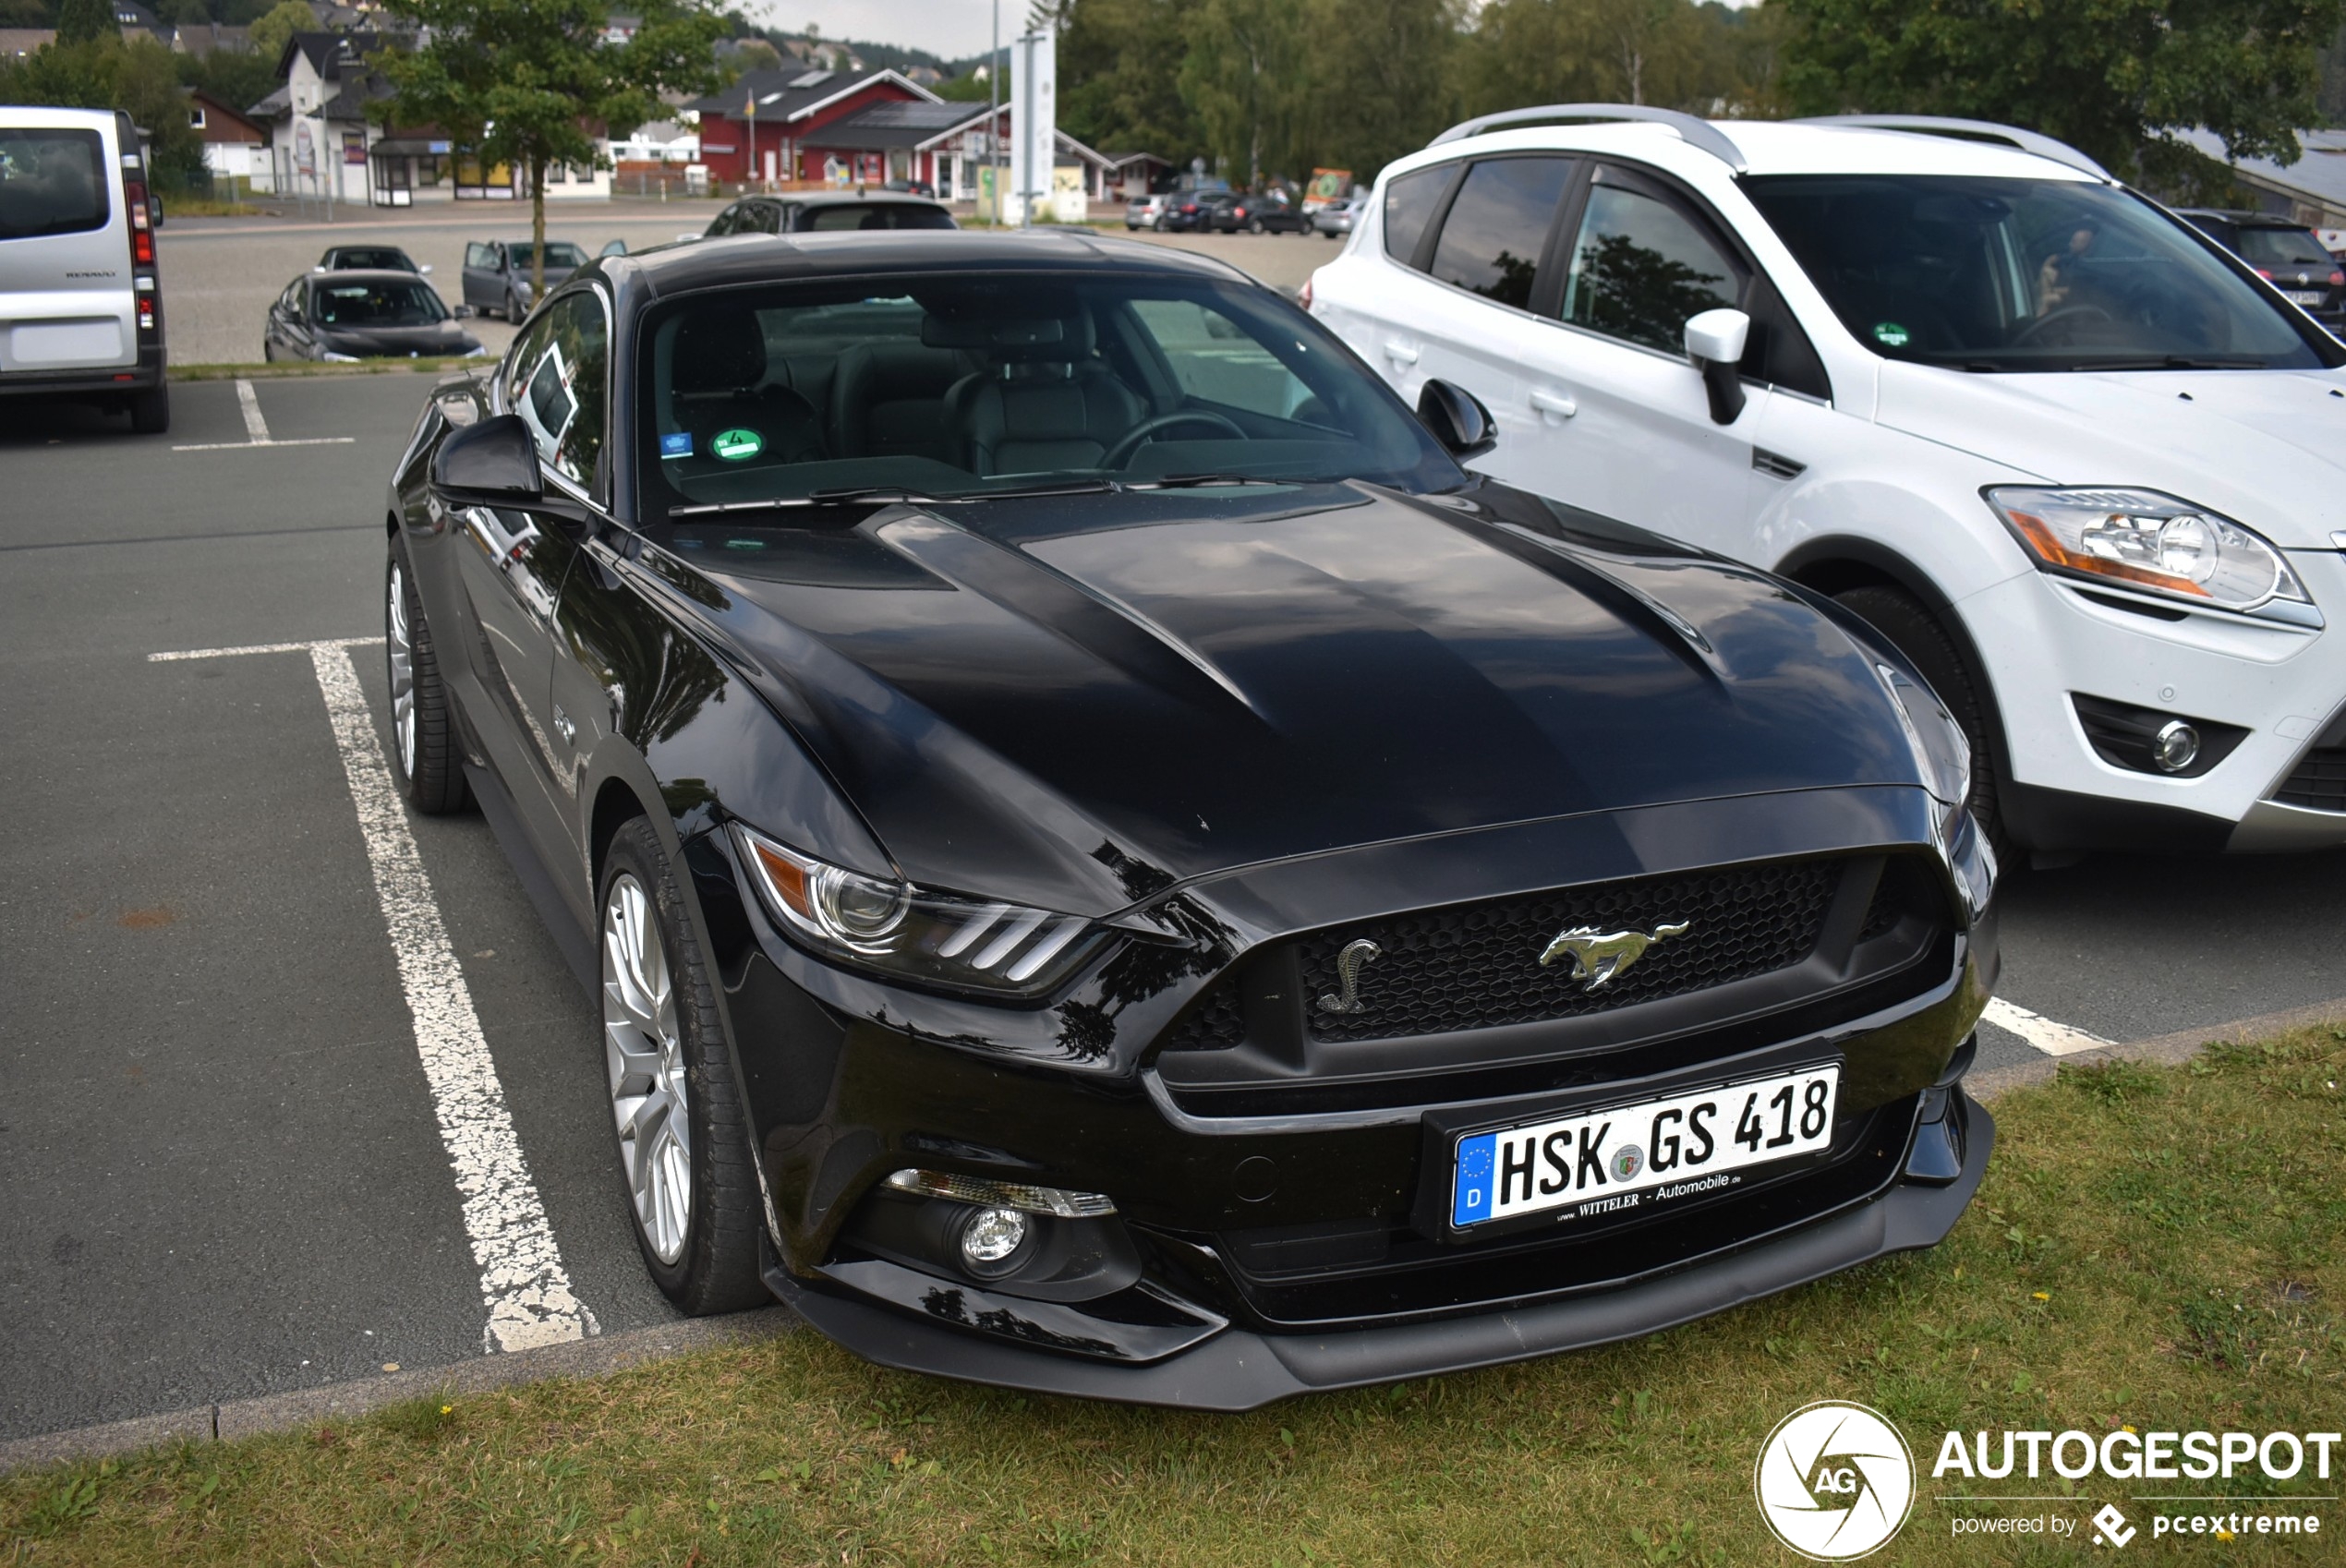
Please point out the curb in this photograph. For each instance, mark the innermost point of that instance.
(283, 1412)
(2160, 1050)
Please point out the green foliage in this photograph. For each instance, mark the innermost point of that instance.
(139, 77)
(2114, 78)
(522, 81)
(86, 21)
(1703, 58)
(237, 77)
(270, 31)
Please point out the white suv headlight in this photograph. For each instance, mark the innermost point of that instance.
(2156, 544)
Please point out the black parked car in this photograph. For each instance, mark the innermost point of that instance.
(498, 272)
(368, 258)
(1188, 211)
(820, 211)
(2285, 254)
(1271, 212)
(1114, 865)
(356, 315)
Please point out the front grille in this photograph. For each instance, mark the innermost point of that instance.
(1476, 966)
(2319, 782)
(1217, 1023)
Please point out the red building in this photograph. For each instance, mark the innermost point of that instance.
(768, 126)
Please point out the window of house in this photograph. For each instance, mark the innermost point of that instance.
(1491, 240)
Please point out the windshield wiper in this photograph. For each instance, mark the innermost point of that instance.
(2176, 362)
(1197, 481)
(864, 495)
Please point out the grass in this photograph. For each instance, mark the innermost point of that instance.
(279, 369)
(2153, 1247)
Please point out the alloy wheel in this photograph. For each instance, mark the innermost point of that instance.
(400, 649)
(645, 1053)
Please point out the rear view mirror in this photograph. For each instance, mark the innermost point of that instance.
(462, 313)
(493, 463)
(1457, 419)
(1715, 341)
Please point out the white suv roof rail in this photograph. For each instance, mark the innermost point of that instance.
(1691, 130)
(1970, 130)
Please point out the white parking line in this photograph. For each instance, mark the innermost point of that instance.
(523, 1283)
(2053, 1038)
(257, 429)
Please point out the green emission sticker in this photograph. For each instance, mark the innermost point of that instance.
(1890, 334)
(737, 446)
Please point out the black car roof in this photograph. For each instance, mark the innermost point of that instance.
(749, 258)
(344, 276)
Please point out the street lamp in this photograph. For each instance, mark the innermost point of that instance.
(994, 115)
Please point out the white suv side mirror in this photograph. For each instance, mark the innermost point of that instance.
(1715, 341)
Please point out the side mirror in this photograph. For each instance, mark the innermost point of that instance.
(424, 270)
(613, 248)
(462, 313)
(1715, 341)
(1457, 419)
(493, 463)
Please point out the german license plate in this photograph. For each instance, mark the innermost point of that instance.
(1626, 1157)
(2302, 296)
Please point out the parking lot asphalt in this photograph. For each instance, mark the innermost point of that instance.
(220, 275)
(218, 1138)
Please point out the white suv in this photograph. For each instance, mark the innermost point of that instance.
(2085, 469)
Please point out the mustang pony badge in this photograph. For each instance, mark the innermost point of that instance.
(1598, 956)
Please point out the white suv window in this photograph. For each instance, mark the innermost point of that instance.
(1409, 201)
(1499, 225)
(1640, 267)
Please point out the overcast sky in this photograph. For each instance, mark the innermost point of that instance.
(951, 28)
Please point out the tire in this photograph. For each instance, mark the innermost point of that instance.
(513, 312)
(1254, 226)
(1911, 629)
(676, 1113)
(151, 410)
(424, 758)
(1165, 225)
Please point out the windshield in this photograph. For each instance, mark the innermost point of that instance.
(2023, 274)
(877, 215)
(559, 253)
(2295, 249)
(378, 305)
(368, 258)
(52, 181)
(971, 384)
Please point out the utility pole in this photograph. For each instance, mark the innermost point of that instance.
(994, 116)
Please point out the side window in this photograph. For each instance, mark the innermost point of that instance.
(480, 256)
(556, 378)
(1497, 227)
(1640, 267)
(1215, 361)
(1409, 200)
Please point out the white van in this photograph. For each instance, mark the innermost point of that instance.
(81, 314)
(2086, 469)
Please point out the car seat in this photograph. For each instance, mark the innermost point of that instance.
(718, 375)
(887, 400)
(1043, 401)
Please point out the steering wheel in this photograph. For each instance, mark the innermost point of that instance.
(2073, 314)
(1147, 430)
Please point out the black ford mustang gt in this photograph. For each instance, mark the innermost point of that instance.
(1114, 866)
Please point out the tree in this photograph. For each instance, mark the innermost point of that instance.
(85, 21)
(276, 25)
(518, 81)
(1119, 85)
(140, 77)
(1241, 78)
(2113, 78)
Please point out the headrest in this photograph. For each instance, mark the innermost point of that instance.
(720, 349)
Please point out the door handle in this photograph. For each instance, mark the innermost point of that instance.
(1400, 353)
(1557, 404)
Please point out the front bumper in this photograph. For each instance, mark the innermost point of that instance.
(2048, 640)
(1238, 1369)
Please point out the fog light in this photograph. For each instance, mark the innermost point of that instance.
(992, 1241)
(2175, 747)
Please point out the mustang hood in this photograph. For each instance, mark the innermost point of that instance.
(2267, 447)
(1077, 700)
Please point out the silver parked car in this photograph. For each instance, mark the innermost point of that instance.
(1146, 212)
(1333, 216)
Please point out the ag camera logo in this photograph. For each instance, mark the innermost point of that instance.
(1834, 1481)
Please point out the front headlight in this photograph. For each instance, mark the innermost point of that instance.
(2156, 544)
(913, 933)
(335, 356)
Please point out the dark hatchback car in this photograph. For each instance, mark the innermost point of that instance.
(2285, 254)
(498, 273)
(355, 315)
(1268, 213)
(1189, 212)
(1113, 864)
(822, 212)
(368, 258)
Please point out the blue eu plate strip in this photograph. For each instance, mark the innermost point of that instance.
(1470, 1185)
